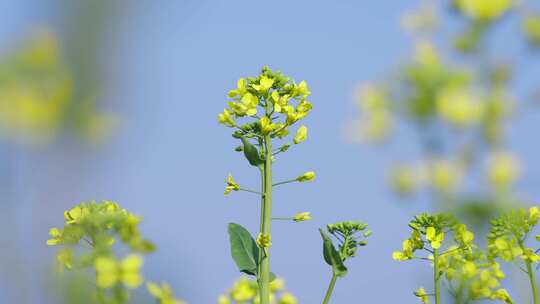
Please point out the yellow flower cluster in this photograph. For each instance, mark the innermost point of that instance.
(245, 291)
(471, 269)
(508, 233)
(409, 246)
(99, 226)
(461, 262)
(273, 100)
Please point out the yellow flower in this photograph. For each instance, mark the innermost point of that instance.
(288, 298)
(278, 284)
(421, 293)
(162, 293)
(469, 269)
(264, 240)
(75, 214)
(459, 107)
(243, 290)
(231, 185)
(266, 125)
(530, 256)
(308, 176)
(264, 85)
(503, 169)
(404, 179)
(226, 118)
(434, 239)
(109, 272)
(485, 10)
(446, 175)
(223, 299)
(56, 237)
(302, 216)
(240, 88)
(301, 135)
(534, 215)
(502, 294)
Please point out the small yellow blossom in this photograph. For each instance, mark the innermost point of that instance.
(109, 272)
(435, 239)
(231, 185)
(503, 170)
(421, 293)
(226, 118)
(56, 237)
(288, 298)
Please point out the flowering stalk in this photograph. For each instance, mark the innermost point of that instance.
(274, 103)
(266, 220)
(507, 241)
(349, 235)
(436, 276)
(532, 280)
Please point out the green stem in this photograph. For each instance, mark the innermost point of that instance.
(330, 289)
(266, 221)
(532, 279)
(251, 191)
(285, 182)
(436, 276)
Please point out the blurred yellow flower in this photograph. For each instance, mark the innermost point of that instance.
(484, 10)
(503, 169)
(460, 107)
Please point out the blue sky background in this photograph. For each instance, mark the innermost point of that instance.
(169, 66)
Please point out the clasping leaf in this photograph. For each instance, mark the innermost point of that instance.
(244, 250)
(331, 256)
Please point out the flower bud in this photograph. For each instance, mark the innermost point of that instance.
(306, 177)
(301, 135)
(302, 216)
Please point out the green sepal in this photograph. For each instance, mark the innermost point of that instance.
(251, 153)
(331, 256)
(244, 250)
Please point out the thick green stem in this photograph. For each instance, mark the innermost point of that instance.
(266, 221)
(330, 289)
(436, 276)
(532, 279)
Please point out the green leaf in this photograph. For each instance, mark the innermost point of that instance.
(251, 153)
(244, 250)
(272, 276)
(331, 255)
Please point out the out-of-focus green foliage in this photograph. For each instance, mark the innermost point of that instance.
(458, 99)
(245, 291)
(37, 95)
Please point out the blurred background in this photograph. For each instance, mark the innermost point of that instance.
(418, 105)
